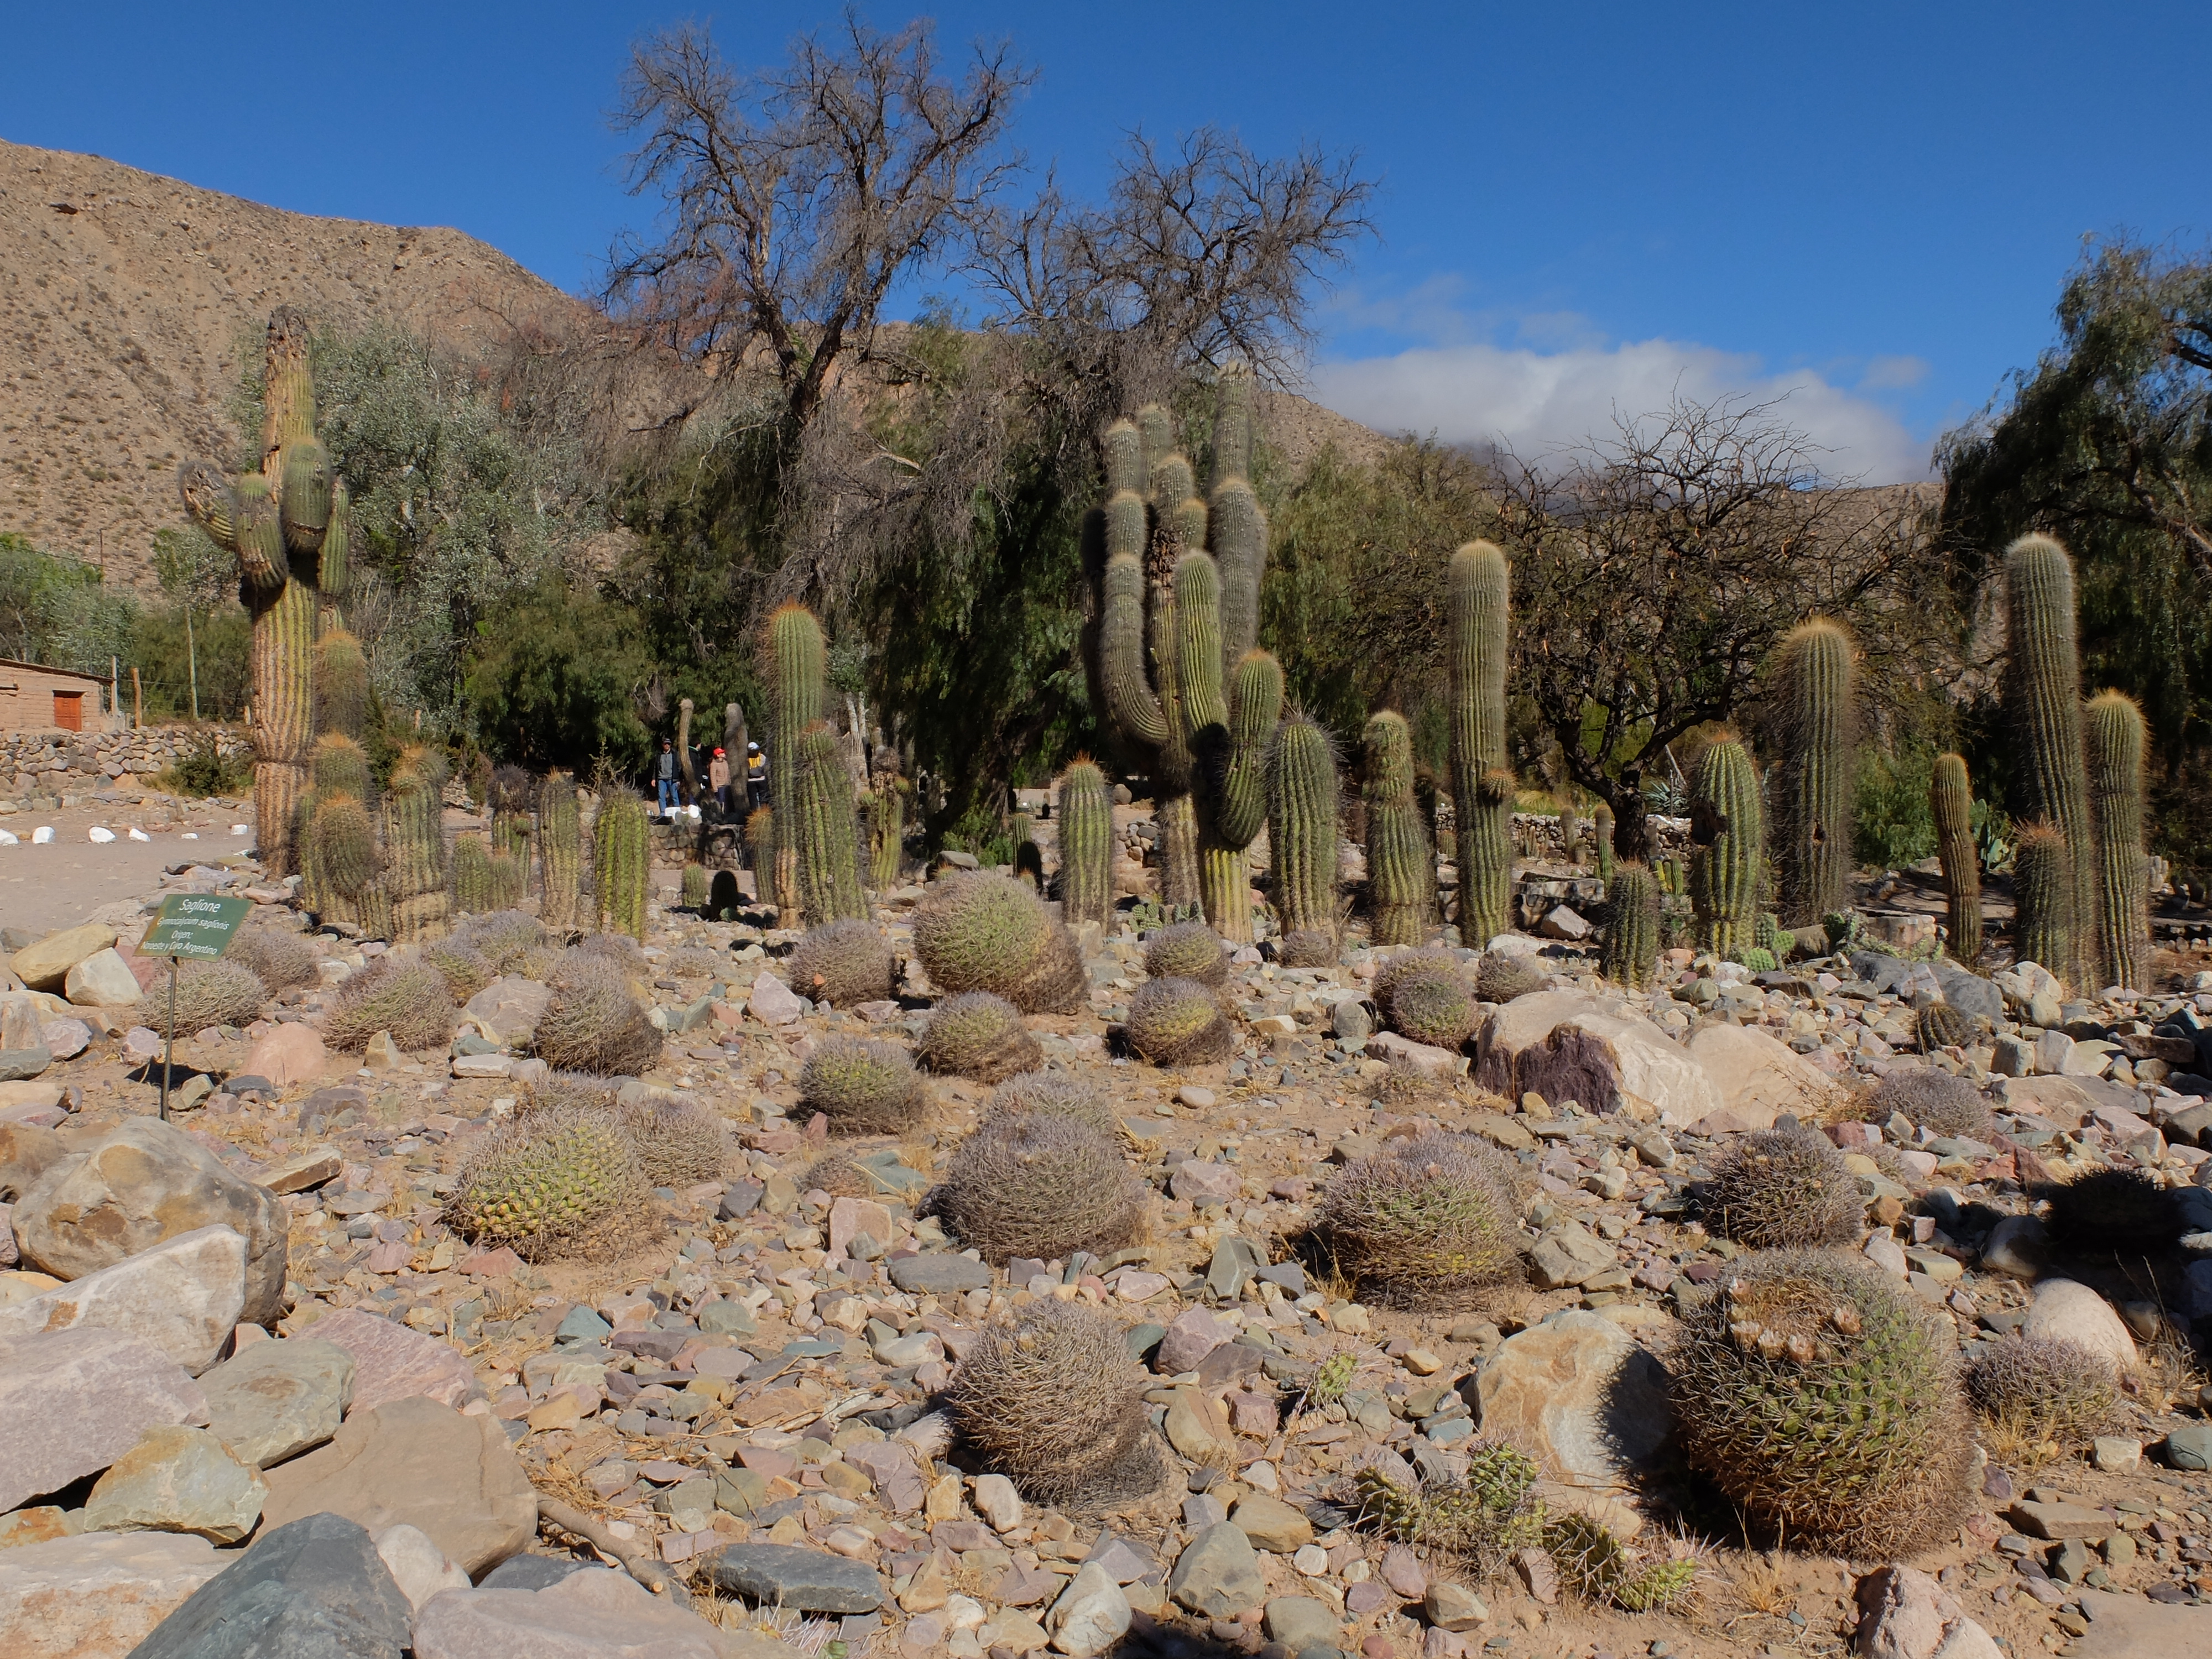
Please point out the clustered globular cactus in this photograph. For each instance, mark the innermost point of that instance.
(1424, 1225)
(2112, 727)
(1086, 845)
(825, 832)
(1788, 1188)
(1499, 977)
(795, 664)
(1936, 1101)
(2043, 898)
(1039, 1185)
(1727, 824)
(1939, 1025)
(593, 1021)
(1178, 1021)
(862, 1086)
(1425, 995)
(1302, 828)
(1758, 958)
(1951, 805)
(1054, 1094)
(414, 847)
(1401, 865)
(1204, 714)
(2043, 699)
(985, 933)
(1052, 1401)
(551, 1185)
(1811, 692)
(981, 1035)
(1479, 594)
(407, 998)
(2043, 1387)
(1822, 1398)
(621, 863)
(1631, 927)
(844, 963)
(219, 992)
(1187, 950)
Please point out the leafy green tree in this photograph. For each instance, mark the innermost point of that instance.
(56, 610)
(556, 678)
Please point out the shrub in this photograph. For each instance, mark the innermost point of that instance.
(1055, 1094)
(1054, 1403)
(281, 960)
(407, 998)
(1784, 1189)
(2043, 1387)
(844, 963)
(1822, 1398)
(1040, 1186)
(1935, 1100)
(863, 1087)
(1189, 950)
(1178, 1021)
(219, 992)
(985, 933)
(593, 1021)
(981, 1035)
(1424, 1223)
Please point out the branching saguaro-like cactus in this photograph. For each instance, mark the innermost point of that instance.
(1951, 804)
(560, 849)
(1086, 845)
(826, 832)
(795, 664)
(2042, 698)
(2113, 726)
(2043, 897)
(1401, 865)
(1812, 694)
(1727, 824)
(1302, 826)
(1631, 925)
(414, 847)
(287, 524)
(620, 863)
(1480, 592)
(1173, 619)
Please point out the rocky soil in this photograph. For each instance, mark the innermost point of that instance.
(244, 1362)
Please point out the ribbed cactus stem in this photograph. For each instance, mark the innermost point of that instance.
(334, 565)
(2112, 727)
(1951, 804)
(1302, 825)
(560, 850)
(1123, 646)
(1601, 832)
(886, 830)
(1232, 424)
(1631, 927)
(340, 683)
(1086, 845)
(472, 882)
(1812, 694)
(1237, 530)
(620, 863)
(1255, 708)
(2043, 898)
(341, 767)
(685, 767)
(797, 662)
(1726, 817)
(827, 835)
(2044, 706)
(1124, 449)
(760, 849)
(1156, 431)
(1402, 867)
(1480, 595)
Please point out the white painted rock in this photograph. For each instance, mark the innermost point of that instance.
(2076, 1313)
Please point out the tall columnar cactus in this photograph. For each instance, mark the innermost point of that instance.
(1727, 824)
(1631, 925)
(796, 663)
(887, 798)
(277, 520)
(1811, 693)
(560, 850)
(1480, 592)
(1174, 622)
(1401, 865)
(685, 767)
(1302, 826)
(472, 877)
(340, 681)
(1086, 845)
(2044, 705)
(2043, 897)
(825, 833)
(621, 864)
(1951, 804)
(1601, 832)
(2113, 727)
(414, 847)
(335, 836)
(760, 849)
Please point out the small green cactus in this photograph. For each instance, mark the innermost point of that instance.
(1592, 1563)
(1425, 1224)
(594, 1020)
(980, 1035)
(472, 877)
(1187, 950)
(862, 1086)
(1727, 824)
(1041, 1186)
(1401, 865)
(1086, 845)
(2043, 898)
(844, 963)
(407, 998)
(1631, 927)
(1331, 1378)
(1939, 1025)
(621, 863)
(548, 1185)
(1601, 832)
(695, 886)
(1783, 1188)
(1178, 1021)
(985, 933)
(1951, 805)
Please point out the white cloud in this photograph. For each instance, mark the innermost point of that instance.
(1538, 401)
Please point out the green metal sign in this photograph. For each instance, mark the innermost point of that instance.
(194, 927)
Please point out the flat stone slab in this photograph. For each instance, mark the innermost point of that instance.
(392, 1362)
(2059, 1521)
(2130, 1627)
(99, 1594)
(939, 1274)
(183, 1298)
(783, 1575)
(301, 1171)
(594, 1613)
(276, 1399)
(72, 1401)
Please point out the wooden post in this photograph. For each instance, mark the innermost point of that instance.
(138, 701)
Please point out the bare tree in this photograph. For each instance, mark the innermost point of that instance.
(1654, 575)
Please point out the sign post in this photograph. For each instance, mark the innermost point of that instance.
(194, 927)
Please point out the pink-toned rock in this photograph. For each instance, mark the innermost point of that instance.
(1758, 1077)
(183, 1297)
(1196, 1182)
(390, 1256)
(73, 1401)
(592, 1614)
(1188, 1340)
(290, 1053)
(502, 1263)
(98, 1595)
(391, 1362)
(1428, 1060)
(851, 1217)
(1906, 1614)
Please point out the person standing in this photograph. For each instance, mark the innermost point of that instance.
(666, 777)
(755, 776)
(718, 781)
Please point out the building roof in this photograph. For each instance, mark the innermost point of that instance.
(47, 668)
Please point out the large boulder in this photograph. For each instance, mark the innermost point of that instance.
(44, 966)
(145, 1182)
(452, 1477)
(1906, 1614)
(100, 1593)
(1758, 1077)
(178, 1480)
(1583, 1396)
(1570, 1045)
(313, 1589)
(592, 1614)
(2072, 1311)
(507, 1011)
(102, 980)
(72, 1401)
(183, 1297)
(277, 1399)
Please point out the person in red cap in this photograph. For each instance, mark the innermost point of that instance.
(717, 780)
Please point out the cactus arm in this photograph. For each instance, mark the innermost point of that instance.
(1130, 699)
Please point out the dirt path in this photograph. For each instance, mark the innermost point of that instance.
(64, 881)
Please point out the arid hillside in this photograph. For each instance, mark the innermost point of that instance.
(123, 296)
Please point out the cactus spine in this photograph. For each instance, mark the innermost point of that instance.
(1302, 826)
(1601, 831)
(1402, 867)
(825, 833)
(1172, 619)
(1726, 823)
(1479, 591)
(620, 863)
(2043, 897)
(1951, 804)
(1812, 697)
(1631, 927)
(796, 662)
(1086, 845)
(2044, 704)
(560, 850)
(2113, 727)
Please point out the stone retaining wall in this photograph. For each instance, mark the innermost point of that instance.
(45, 765)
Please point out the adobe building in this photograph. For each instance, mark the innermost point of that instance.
(35, 698)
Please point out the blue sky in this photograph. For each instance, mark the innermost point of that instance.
(1868, 206)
